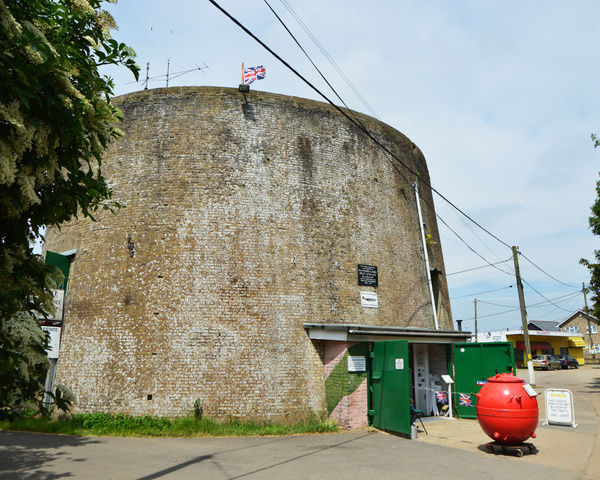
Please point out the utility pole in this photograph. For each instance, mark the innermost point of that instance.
(475, 303)
(588, 319)
(523, 316)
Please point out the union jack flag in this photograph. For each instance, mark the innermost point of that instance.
(465, 400)
(254, 73)
(441, 397)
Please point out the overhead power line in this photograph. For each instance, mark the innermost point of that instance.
(546, 273)
(362, 126)
(481, 293)
(365, 131)
(541, 295)
(331, 61)
(478, 268)
(562, 298)
(308, 56)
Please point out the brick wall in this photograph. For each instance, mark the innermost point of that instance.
(346, 391)
(245, 216)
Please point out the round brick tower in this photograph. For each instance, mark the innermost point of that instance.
(245, 216)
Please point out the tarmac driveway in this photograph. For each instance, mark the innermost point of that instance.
(451, 451)
(371, 455)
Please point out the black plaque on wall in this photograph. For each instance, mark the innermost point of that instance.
(367, 275)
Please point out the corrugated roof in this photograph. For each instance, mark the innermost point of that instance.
(353, 332)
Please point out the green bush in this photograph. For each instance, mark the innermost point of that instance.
(126, 425)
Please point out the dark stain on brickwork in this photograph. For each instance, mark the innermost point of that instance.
(306, 156)
(248, 111)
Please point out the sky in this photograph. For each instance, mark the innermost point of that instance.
(500, 96)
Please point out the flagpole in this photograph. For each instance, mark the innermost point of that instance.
(242, 73)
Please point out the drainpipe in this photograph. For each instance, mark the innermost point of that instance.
(435, 318)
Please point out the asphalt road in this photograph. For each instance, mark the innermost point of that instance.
(369, 454)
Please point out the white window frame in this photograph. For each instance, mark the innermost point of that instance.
(572, 329)
(594, 328)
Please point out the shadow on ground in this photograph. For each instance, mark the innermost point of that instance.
(594, 385)
(24, 455)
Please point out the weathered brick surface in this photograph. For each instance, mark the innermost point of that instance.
(245, 216)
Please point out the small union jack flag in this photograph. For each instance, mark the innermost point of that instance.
(254, 73)
(465, 400)
(441, 397)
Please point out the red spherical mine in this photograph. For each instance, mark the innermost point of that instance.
(505, 410)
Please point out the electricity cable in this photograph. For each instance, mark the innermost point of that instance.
(364, 130)
(537, 291)
(478, 268)
(481, 293)
(563, 297)
(328, 57)
(311, 61)
(546, 273)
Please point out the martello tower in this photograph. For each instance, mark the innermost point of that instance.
(245, 217)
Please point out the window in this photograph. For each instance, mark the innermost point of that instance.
(572, 328)
(594, 328)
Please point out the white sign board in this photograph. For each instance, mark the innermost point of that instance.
(559, 407)
(399, 364)
(447, 379)
(58, 298)
(357, 364)
(368, 299)
(530, 391)
(54, 344)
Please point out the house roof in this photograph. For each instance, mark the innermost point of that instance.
(547, 326)
(576, 314)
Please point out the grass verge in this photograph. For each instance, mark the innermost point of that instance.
(129, 425)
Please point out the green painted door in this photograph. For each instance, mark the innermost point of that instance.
(62, 263)
(389, 385)
(474, 363)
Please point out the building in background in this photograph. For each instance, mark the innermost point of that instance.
(544, 338)
(586, 324)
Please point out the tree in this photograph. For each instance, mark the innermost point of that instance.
(594, 268)
(56, 121)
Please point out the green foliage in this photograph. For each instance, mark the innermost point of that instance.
(23, 365)
(62, 398)
(198, 410)
(128, 425)
(56, 121)
(594, 267)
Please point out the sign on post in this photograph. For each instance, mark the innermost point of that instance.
(560, 409)
(54, 343)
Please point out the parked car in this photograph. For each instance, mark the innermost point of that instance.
(567, 361)
(546, 362)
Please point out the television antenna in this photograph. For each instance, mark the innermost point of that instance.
(170, 75)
